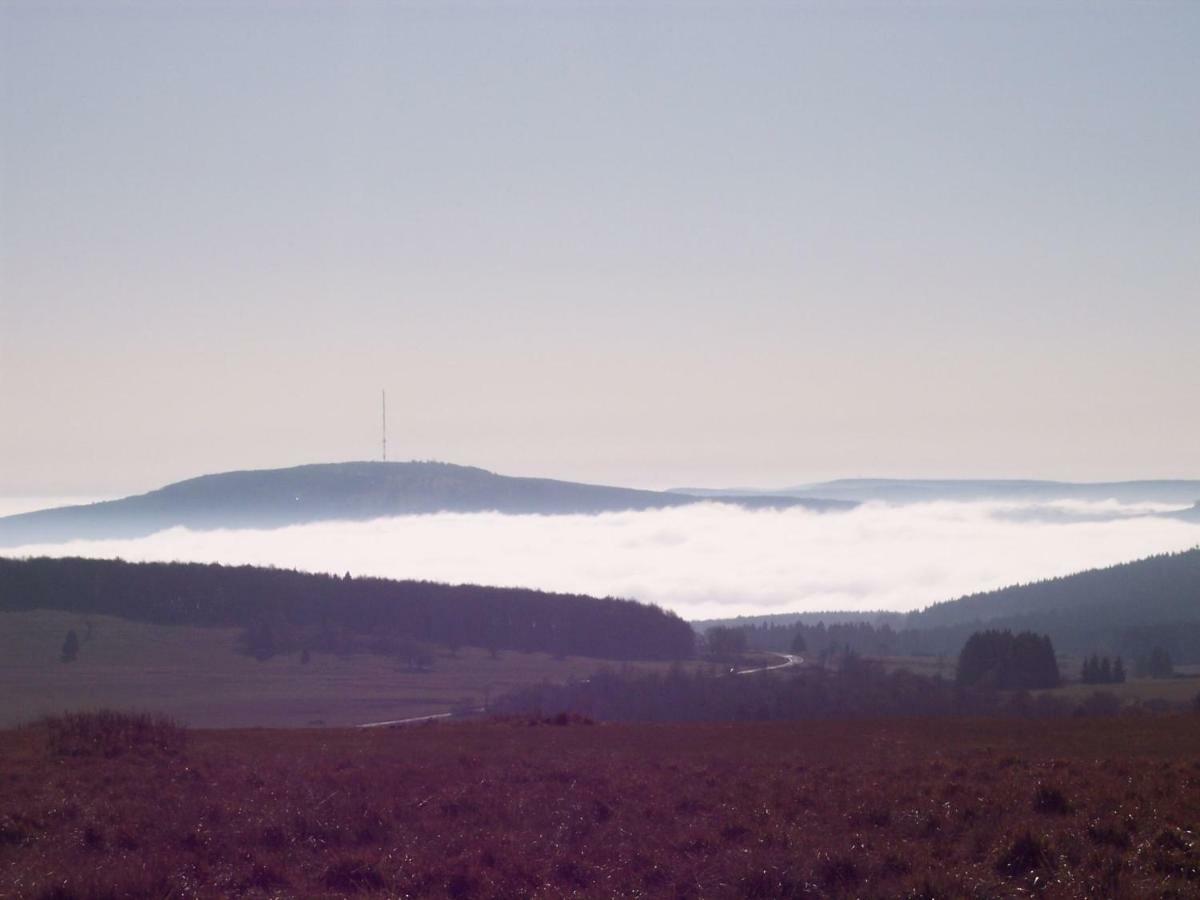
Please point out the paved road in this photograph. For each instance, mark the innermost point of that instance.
(415, 720)
(788, 660)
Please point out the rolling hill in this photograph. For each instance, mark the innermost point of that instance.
(1124, 609)
(285, 610)
(274, 498)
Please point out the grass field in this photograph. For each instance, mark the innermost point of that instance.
(195, 675)
(1180, 690)
(948, 808)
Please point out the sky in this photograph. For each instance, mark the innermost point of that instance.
(647, 244)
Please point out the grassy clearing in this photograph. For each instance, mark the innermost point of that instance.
(195, 676)
(947, 808)
(1179, 690)
(921, 665)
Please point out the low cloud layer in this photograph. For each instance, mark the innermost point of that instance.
(703, 561)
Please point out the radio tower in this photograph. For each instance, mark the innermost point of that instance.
(384, 397)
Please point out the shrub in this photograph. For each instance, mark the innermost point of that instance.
(1024, 855)
(1050, 800)
(110, 733)
(1099, 703)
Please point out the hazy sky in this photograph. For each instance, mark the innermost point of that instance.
(633, 243)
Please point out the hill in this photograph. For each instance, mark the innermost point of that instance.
(1125, 609)
(274, 498)
(1164, 588)
(901, 490)
(285, 610)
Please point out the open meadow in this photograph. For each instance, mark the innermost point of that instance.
(1103, 807)
(197, 676)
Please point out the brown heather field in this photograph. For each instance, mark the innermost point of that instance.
(947, 808)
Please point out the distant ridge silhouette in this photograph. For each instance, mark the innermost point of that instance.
(275, 498)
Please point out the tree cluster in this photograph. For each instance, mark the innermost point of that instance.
(282, 610)
(724, 644)
(1156, 664)
(860, 689)
(1007, 661)
(1102, 670)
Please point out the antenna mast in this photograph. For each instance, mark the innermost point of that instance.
(384, 397)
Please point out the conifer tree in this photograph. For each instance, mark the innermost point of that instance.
(70, 647)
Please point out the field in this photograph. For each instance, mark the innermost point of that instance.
(1180, 690)
(195, 675)
(946, 808)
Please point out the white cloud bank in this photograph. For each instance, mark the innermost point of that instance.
(703, 561)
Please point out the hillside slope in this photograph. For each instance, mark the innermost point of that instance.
(1126, 609)
(290, 610)
(274, 498)
(1163, 588)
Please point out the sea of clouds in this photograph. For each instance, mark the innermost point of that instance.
(704, 561)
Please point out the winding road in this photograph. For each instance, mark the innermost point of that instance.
(789, 659)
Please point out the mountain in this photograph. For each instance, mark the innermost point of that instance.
(893, 490)
(274, 498)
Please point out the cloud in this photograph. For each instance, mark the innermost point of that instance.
(707, 560)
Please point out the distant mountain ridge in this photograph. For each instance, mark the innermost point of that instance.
(918, 490)
(274, 498)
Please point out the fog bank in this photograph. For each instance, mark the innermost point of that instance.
(704, 561)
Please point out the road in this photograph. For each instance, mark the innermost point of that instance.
(416, 720)
(789, 659)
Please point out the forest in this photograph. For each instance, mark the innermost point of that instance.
(291, 610)
(858, 689)
(1126, 610)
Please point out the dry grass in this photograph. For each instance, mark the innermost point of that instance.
(1176, 691)
(947, 808)
(108, 733)
(194, 675)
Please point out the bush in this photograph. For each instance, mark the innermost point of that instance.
(1099, 703)
(1050, 800)
(110, 733)
(1026, 854)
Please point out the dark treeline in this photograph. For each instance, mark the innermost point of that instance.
(1072, 634)
(292, 609)
(822, 641)
(1007, 661)
(1164, 588)
(1102, 670)
(1126, 610)
(859, 689)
